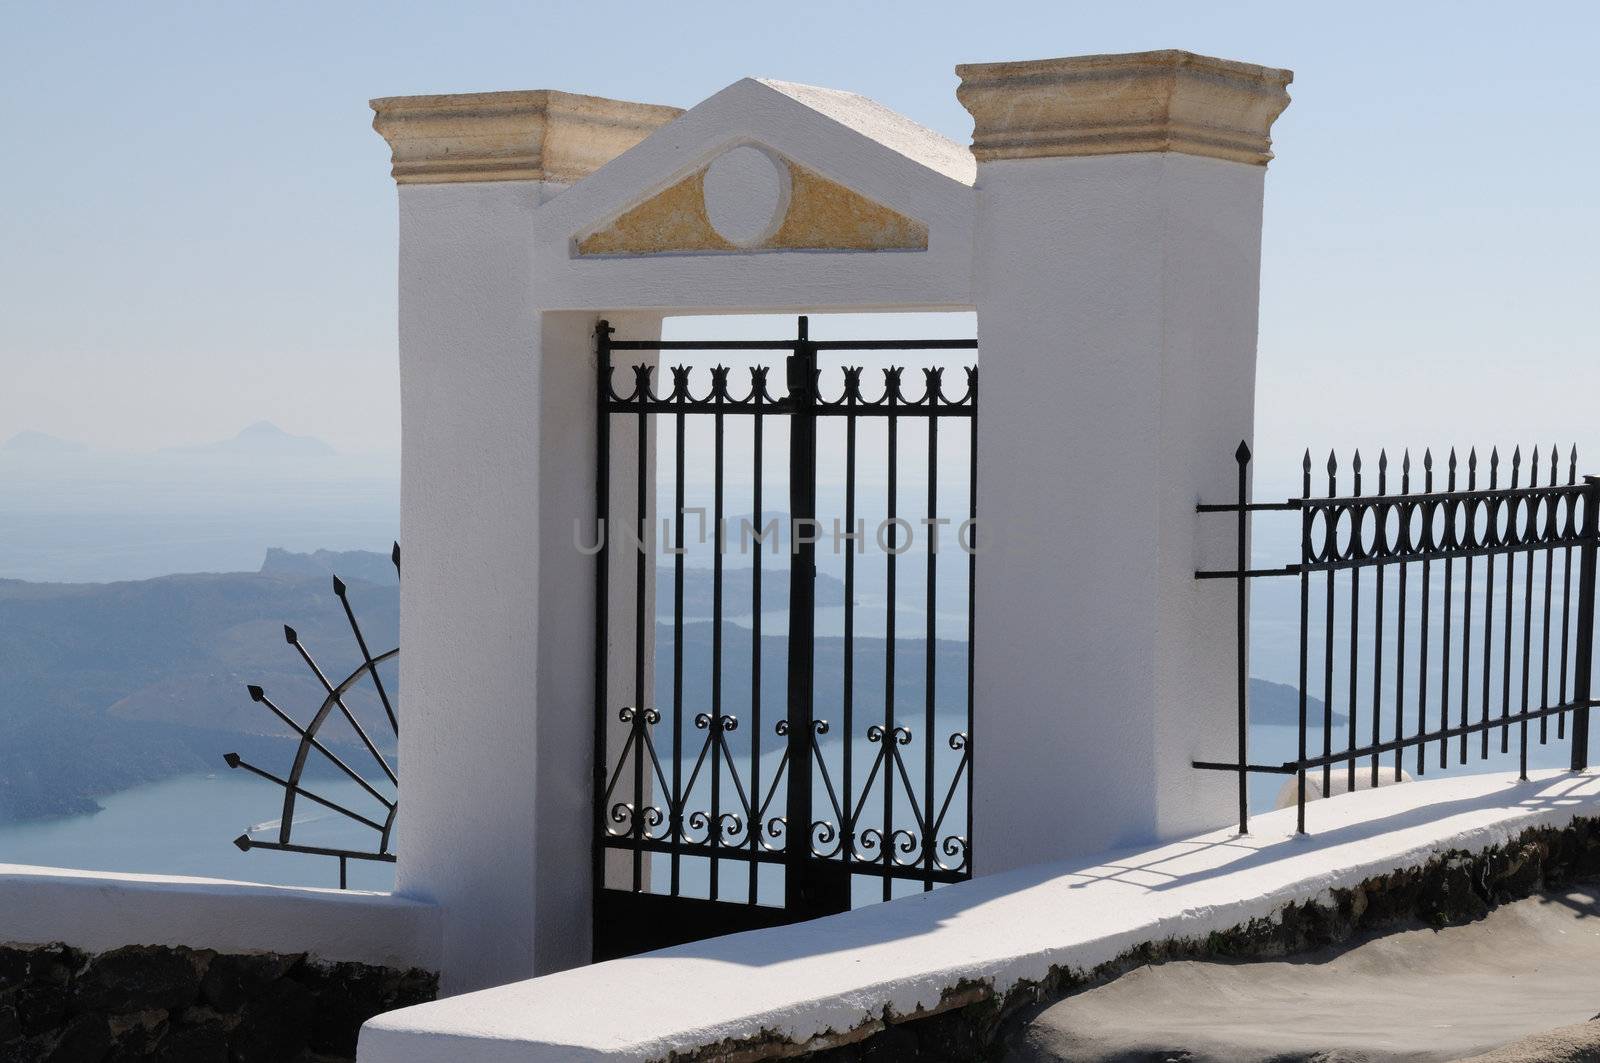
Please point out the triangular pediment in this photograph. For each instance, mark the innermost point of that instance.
(765, 167)
(791, 208)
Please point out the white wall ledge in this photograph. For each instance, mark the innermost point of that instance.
(834, 974)
(96, 911)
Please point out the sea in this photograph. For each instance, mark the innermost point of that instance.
(186, 826)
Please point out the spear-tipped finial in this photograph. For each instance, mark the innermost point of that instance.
(1405, 461)
(1355, 463)
(1383, 459)
(338, 586)
(1516, 456)
(256, 693)
(232, 759)
(1305, 463)
(1427, 459)
(1494, 458)
(243, 842)
(1333, 463)
(1452, 459)
(394, 555)
(1472, 458)
(1242, 455)
(290, 636)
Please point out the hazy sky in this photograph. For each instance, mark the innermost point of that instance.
(199, 228)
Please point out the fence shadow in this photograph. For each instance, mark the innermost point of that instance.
(1109, 885)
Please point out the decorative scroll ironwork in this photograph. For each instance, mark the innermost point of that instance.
(891, 400)
(312, 739)
(681, 782)
(1427, 540)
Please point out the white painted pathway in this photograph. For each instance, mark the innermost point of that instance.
(835, 973)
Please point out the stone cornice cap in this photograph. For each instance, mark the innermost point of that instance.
(1114, 104)
(534, 135)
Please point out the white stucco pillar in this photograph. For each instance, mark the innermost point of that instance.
(1119, 209)
(497, 417)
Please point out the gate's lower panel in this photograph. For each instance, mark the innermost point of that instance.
(627, 923)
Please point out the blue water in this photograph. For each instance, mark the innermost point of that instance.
(1271, 744)
(186, 826)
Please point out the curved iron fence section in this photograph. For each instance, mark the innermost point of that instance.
(311, 739)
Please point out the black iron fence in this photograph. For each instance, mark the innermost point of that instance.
(1476, 614)
(381, 790)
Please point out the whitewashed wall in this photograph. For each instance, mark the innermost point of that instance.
(1117, 332)
(97, 911)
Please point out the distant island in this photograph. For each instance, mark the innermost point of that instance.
(1279, 704)
(261, 440)
(42, 443)
(104, 686)
(76, 511)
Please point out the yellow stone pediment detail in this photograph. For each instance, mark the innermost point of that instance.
(819, 215)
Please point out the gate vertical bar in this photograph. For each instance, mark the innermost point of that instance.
(802, 378)
(679, 471)
(758, 386)
(932, 647)
(891, 380)
(1584, 663)
(719, 390)
(972, 601)
(641, 569)
(852, 389)
(602, 593)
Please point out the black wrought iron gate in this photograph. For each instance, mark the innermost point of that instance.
(694, 808)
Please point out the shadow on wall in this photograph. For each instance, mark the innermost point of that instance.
(1213, 858)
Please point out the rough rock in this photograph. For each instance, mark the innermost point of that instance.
(182, 1005)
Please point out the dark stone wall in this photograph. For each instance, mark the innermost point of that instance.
(179, 1005)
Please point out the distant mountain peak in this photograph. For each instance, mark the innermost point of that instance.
(31, 442)
(263, 439)
(261, 430)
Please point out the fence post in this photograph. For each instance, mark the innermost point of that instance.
(1585, 651)
(1242, 633)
